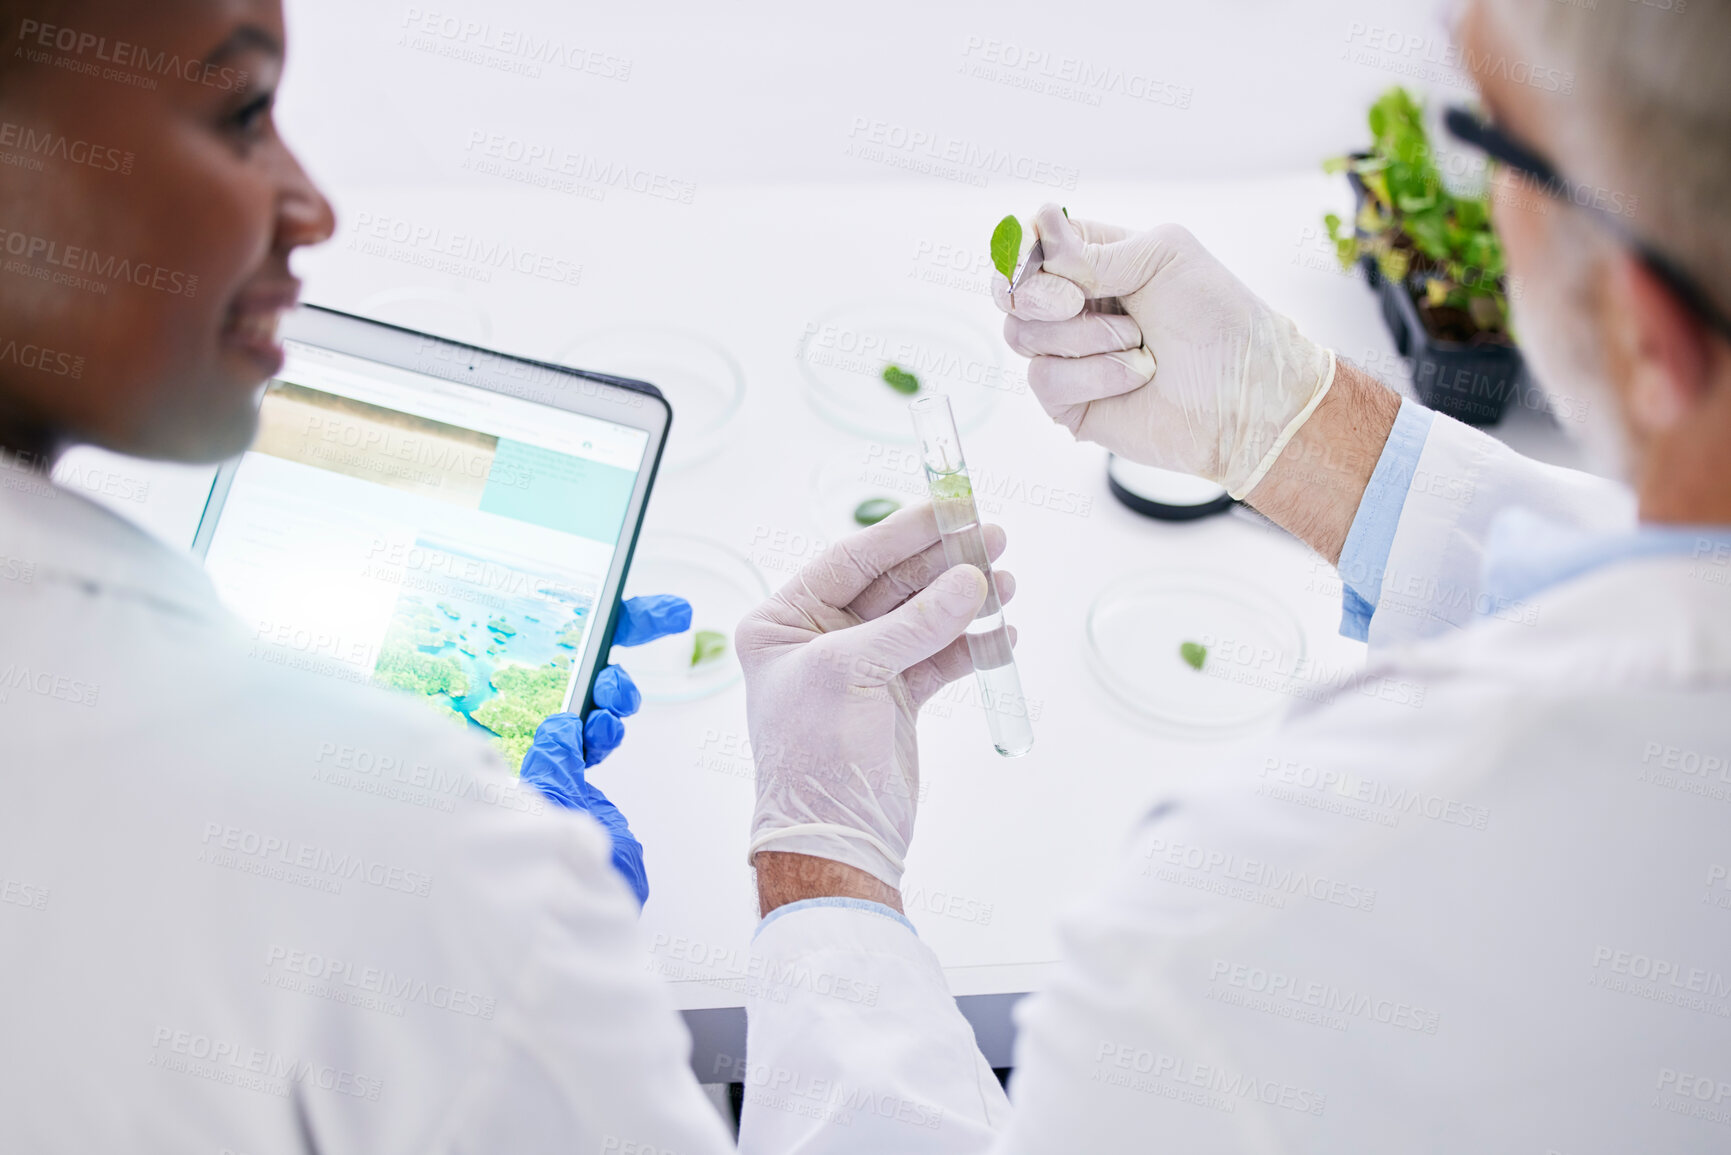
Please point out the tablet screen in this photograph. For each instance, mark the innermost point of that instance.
(400, 529)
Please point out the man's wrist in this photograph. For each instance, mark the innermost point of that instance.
(783, 878)
(1314, 488)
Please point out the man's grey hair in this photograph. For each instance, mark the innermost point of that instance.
(1649, 115)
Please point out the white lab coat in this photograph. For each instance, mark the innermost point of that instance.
(1497, 928)
(1473, 900)
(249, 910)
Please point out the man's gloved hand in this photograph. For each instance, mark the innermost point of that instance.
(565, 747)
(1144, 343)
(837, 665)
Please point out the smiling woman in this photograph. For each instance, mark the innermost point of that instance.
(180, 798)
(149, 210)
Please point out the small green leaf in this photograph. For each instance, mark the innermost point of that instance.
(1393, 265)
(1007, 246)
(707, 646)
(1346, 245)
(1487, 314)
(901, 380)
(1377, 183)
(1194, 654)
(874, 509)
(1065, 211)
(951, 487)
(1414, 203)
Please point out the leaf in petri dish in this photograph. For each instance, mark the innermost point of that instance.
(901, 380)
(707, 646)
(874, 509)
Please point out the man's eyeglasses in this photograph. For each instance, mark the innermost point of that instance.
(1470, 128)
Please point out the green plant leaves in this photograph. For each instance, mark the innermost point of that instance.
(1194, 654)
(1419, 233)
(1007, 246)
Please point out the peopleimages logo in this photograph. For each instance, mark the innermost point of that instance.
(1282, 991)
(37, 40)
(269, 1072)
(584, 174)
(35, 146)
(46, 684)
(504, 47)
(935, 153)
(1433, 57)
(1066, 77)
(304, 863)
(80, 263)
(43, 360)
(345, 980)
(461, 253)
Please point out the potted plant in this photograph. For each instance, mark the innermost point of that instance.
(1435, 262)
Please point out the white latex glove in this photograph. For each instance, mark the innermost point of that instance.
(837, 665)
(1173, 362)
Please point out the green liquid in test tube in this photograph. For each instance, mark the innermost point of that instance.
(965, 544)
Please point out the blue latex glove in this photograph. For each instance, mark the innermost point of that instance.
(565, 746)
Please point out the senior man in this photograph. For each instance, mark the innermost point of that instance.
(1476, 899)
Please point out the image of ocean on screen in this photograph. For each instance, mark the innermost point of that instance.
(488, 644)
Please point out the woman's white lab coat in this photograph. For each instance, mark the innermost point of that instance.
(253, 909)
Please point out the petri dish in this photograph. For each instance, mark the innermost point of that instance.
(700, 379)
(865, 471)
(722, 587)
(843, 354)
(427, 309)
(1254, 664)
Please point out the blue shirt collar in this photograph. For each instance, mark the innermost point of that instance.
(1526, 554)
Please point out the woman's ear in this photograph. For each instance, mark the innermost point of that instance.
(1663, 347)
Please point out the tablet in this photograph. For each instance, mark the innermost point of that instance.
(437, 518)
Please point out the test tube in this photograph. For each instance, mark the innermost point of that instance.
(964, 544)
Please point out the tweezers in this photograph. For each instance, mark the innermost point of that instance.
(1036, 257)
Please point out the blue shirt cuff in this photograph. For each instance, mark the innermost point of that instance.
(835, 900)
(1364, 557)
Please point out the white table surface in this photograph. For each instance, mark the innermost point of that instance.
(1002, 845)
